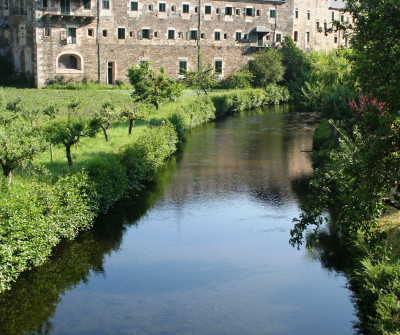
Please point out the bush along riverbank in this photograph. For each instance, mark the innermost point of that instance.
(46, 203)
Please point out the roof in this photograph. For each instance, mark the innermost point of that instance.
(262, 29)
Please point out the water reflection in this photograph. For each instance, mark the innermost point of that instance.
(204, 250)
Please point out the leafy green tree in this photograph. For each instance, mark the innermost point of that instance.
(297, 67)
(132, 114)
(152, 87)
(20, 141)
(69, 130)
(203, 79)
(266, 67)
(240, 79)
(106, 115)
(376, 48)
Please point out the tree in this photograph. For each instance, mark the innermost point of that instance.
(203, 79)
(20, 141)
(106, 115)
(376, 44)
(240, 79)
(133, 114)
(266, 67)
(69, 130)
(152, 87)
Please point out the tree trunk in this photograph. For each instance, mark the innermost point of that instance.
(69, 157)
(51, 152)
(338, 134)
(9, 177)
(105, 132)
(131, 125)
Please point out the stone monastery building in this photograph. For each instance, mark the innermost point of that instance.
(101, 39)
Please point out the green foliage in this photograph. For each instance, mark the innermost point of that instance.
(266, 67)
(376, 46)
(297, 66)
(187, 117)
(110, 180)
(106, 116)
(379, 296)
(20, 141)
(203, 79)
(277, 94)
(151, 86)
(240, 79)
(68, 131)
(34, 220)
(148, 152)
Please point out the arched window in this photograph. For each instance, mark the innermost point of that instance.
(69, 63)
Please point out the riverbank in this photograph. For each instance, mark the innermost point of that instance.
(49, 201)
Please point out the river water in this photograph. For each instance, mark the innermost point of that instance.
(203, 251)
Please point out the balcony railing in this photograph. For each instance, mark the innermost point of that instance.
(65, 10)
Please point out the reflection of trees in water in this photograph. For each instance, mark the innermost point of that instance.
(32, 302)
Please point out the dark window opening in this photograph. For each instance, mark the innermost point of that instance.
(228, 10)
(207, 9)
(218, 66)
(134, 5)
(296, 36)
(193, 34)
(86, 4)
(185, 8)
(106, 4)
(238, 36)
(171, 34)
(162, 7)
(121, 33)
(182, 66)
(217, 35)
(272, 13)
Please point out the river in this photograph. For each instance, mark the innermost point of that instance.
(203, 251)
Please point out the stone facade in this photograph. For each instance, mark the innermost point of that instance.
(101, 39)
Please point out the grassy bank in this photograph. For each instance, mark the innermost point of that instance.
(49, 201)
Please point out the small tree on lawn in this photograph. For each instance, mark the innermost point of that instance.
(132, 114)
(106, 116)
(152, 87)
(69, 130)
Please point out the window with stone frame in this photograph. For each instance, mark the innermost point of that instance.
(185, 8)
(218, 67)
(217, 35)
(238, 36)
(296, 36)
(249, 11)
(228, 11)
(182, 67)
(278, 37)
(171, 34)
(193, 35)
(134, 6)
(106, 4)
(86, 4)
(121, 33)
(162, 7)
(207, 9)
(272, 13)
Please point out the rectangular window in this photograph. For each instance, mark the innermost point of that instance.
(237, 11)
(185, 8)
(90, 32)
(146, 34)
(86, 4)
(272, 13)
(296, 36)
(207, 9)
(104, 33)
(308, 37)
(279, 37)
(317, 25)
(193, 34)
(22, 31)
(333, 16)
(182, 66)
(171, 34)
(342, 18)
(72, 35)
(238, 36)
(228, 10)
(218, 66)
(308, 15)
(5, 4)
(296, 13)
(131, 33)
(121, 33)
(106, 4)
(335, 40)
(217, 35)
(196, 9)
(44, 4)
(134, 6)
(47, 32)
(225, 36)
(249, 12)
(162, 7)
